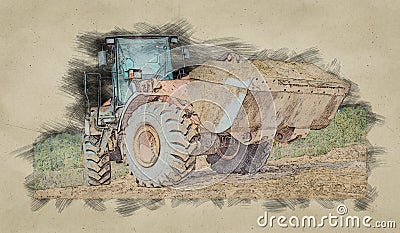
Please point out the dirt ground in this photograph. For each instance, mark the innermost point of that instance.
(341, 173)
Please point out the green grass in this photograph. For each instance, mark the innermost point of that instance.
(348, 127)
(58, 162)
(58, 152)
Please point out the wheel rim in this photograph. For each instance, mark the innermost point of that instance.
(146, 146)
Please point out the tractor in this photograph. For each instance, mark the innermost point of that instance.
(156, 107)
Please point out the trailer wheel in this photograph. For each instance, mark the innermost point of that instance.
(256, 157)
(239, 158)
(97, 166)
(159, 140)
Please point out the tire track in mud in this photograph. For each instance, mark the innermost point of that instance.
(202, 178)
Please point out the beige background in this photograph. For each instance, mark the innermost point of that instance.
(37, 41)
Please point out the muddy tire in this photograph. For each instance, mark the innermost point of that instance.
(159, 141)
(97, 166)
(256, 157)
(239, 158)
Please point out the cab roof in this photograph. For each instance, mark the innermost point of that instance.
(110, 39)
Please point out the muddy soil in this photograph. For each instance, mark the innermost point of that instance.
(341, 173)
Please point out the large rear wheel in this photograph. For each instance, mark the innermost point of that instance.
(159, 139)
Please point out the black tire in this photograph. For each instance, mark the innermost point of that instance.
(172, 160)
(97, 166)
(256, 157)
(229, 159)
(242, 159)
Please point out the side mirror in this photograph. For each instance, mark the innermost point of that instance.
(102, 58)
